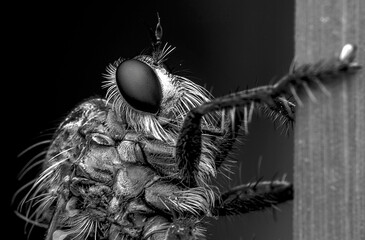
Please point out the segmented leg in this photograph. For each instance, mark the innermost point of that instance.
(253, 197)
(189, 143)
(281, 111)
(188, 148)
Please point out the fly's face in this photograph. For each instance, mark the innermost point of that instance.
(149, 98)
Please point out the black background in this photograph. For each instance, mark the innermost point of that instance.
(56, 53)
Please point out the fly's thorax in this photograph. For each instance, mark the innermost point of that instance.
(98, 163)
(131, 180)
(122, 181)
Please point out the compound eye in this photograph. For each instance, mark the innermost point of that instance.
(139, 85)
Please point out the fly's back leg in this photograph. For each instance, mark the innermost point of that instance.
(253, 197)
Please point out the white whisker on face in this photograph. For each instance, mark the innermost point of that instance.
(22, 188)
(33, 146)
(46, 173)
(26, 170)
(60, 153)
(31, 221)
(36, 197)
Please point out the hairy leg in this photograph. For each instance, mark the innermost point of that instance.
(274, 97)
(253, 197)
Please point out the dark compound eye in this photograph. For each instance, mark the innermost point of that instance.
(139, 85)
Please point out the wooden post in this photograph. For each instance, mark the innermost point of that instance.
(329, 167)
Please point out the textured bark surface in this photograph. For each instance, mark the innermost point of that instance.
(329, 167)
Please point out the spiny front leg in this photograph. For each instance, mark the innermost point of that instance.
(240, 107)
(273, 97)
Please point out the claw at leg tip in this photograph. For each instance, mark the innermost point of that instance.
(348, 53)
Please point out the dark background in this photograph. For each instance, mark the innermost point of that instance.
(56, 53)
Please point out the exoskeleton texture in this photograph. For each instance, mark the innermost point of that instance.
(138, 164)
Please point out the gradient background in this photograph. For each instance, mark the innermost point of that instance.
(58, 51)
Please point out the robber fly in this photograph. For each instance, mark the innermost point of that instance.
(138, 163)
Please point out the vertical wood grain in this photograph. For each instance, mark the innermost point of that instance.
(329, 166)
